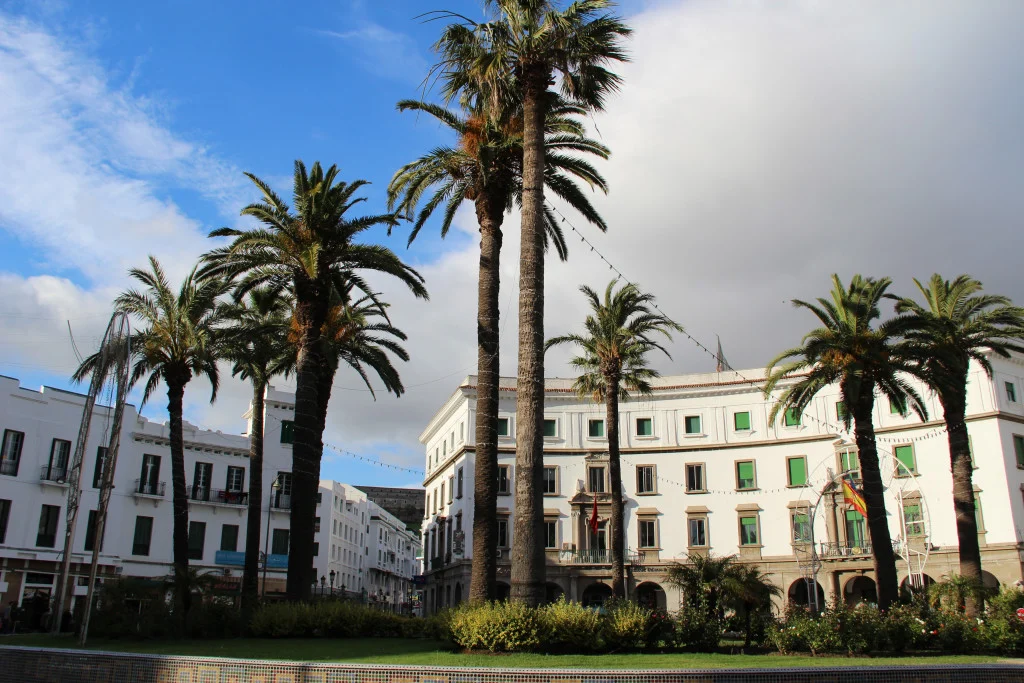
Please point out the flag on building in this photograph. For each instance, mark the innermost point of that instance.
(593, 517)
(721, 364)
(851, 496)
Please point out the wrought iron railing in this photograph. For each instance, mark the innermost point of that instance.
(145, 487)
(203, 494)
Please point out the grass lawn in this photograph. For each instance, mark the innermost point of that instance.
(437, 653)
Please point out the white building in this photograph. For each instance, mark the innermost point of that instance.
(39, 429)
(704, 471)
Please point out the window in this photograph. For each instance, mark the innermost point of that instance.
(201, 481)
(695, 478)
(434, 508)
(279, 542)
(856, 533)
(849, 462)
(550, 534)
(97, 474)
(792, 419)
(442, 495)
(502, 533)
(90, 533)
(801, 525)
(287, 431)
(595, 429)
(550, 428)
(898, 407)
(648, 533)
(645, 478)
(451, 488)
(691, 423)
(459, 494)
(503, 482)
(745, 475)
(1011, 392)
(316, 550)
(10, 454)
(796, 470)
(236, 482)
(841, 411)
(502, 426)
(444, 449)
(748, 531)
(698, 528)
(913, 520)
(905, 455)
(644, 426)
(5, 514)
(143, 535)
(229, 537)
(978, 519)
(149, 479)
(741, 421)
(550, 480)
(595, 477)
(60, 451)
(196, 540)
(46, 537)
(1018, 449)
(316, 525)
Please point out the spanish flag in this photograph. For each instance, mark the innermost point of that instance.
(851, 496)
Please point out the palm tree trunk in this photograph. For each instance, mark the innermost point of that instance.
(484, 569)
(954, 409)
(325, 386)
(528, 559)
(254, 520)
(878, 524)
(307, 448)
(615, 480)
(176, 381)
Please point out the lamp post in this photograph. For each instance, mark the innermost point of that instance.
(274, 487)
(332, 583)
(323, 585)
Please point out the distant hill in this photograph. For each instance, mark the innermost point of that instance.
(406, 504)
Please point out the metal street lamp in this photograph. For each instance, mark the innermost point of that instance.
(274, 487)
(323, 585)
(332, 583)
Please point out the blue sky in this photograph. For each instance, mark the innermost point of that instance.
(757, 148)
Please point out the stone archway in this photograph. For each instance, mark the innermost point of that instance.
(596, 594)
(915, 584)
(860, 589)
(800, 592)
(989, 580)
(651, 595)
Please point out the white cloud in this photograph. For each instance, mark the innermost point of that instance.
(381, 51)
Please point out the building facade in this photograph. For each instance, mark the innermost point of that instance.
(705, 471)
(39, 429)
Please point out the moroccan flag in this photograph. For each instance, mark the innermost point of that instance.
(853, 497)
(593, 517)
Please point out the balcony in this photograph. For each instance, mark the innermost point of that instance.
(842, 551)
(204, 494)
(49, 474)
(597, 557)
(281, 502)
(9, 467)
(149, 489)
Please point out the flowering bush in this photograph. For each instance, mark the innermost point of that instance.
(571, 627)
(625, 625)
(698, 628)
(497, 627)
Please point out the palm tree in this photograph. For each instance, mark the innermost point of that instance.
(179, 341)
(956, 325)
(510, 63)
(848, 350)
(750, 592)
(257, 345)
(485, 168)
(613, 363)
(305, 252)
(704, 581)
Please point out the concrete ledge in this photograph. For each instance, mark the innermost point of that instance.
(44, 665)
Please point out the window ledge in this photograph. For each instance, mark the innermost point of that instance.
(796, 486)
(645, 437)
(647, 493)
(694, 436)
(752, 545)
(602, 439)
(651, 549)
(552, 495)
(755, 488)
(505, 493)
(697, 492)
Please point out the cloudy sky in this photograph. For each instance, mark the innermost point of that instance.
(757, 148)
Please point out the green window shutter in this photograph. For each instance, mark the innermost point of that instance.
(801, 527)
(596, 429)
(905, 454)
(287, 431)
(792, 419)
(840, 411)
(797, 471)
(644, 426)
(897, 407)
(745, 475)
(1018, 448)
(550, 428)
(741, 421)
(693, 424)
(748, 530)
(502, 426)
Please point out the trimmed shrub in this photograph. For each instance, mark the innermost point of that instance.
(1003, 630)
(697, 629)
(571, 627)
(626, 625)
(497, 627)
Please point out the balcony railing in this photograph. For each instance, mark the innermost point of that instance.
(840, 550)
(58, 475)
(204, 494)
(9, 467)
(589, 556)
(149, 488)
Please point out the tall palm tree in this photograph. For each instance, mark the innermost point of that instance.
(850, 351)
(613, 363)
(956, 325)
(179, 340)
(485, 168)
(750, 592)
(510, 62)
(256, 343)
(305, 248)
